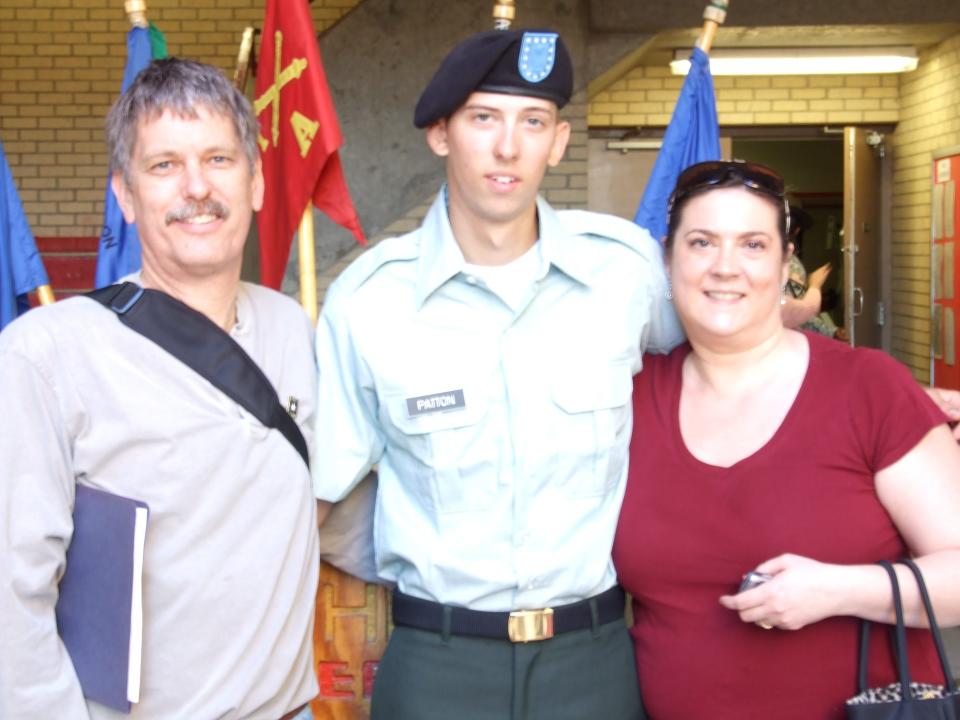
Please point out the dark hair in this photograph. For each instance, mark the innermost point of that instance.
(180, 86)
(718, 175)
(800, 222)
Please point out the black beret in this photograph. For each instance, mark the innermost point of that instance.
(516, 62)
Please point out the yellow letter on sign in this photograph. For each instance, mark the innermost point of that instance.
(304, 129)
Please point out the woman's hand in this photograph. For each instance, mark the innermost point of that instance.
(802, 591)
(948, 401)
(818, 277)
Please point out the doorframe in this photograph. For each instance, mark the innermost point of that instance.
(886, 244)
(887, 131)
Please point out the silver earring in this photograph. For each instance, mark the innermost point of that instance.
(783, 295)
(669, 293)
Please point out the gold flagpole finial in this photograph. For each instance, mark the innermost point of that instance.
(503, 14)
(713, 16)
(136, 12)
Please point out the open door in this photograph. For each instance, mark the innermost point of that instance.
(864, 312)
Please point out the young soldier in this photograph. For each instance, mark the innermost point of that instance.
(484, 362)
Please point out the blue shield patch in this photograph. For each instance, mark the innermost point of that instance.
(537, 53)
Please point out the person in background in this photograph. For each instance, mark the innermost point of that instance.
(760, 448)
(803, 300)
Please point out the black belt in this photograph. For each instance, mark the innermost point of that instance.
(516, 626)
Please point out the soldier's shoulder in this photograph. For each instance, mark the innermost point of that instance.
(391, 255)
(606, 228)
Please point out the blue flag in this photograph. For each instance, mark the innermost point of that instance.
(692, 136)
(119, 252)
(21, 269)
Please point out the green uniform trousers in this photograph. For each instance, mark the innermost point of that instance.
(582, 675)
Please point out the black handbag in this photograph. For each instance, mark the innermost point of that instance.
(922, 701)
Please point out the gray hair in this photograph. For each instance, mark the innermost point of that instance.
(179, 86)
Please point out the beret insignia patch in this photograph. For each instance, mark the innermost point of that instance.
(537, 53)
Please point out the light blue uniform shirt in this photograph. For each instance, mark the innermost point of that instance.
(501, 433)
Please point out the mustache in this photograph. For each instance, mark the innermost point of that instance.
(192, 210)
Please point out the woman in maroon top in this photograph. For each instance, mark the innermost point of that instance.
(761, 448)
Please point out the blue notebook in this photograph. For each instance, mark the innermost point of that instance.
(99, 611)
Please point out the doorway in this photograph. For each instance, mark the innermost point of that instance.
(813, 171)
(819, 166)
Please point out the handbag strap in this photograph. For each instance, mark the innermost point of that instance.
(899, 633)
(950, 683)
(205, 348)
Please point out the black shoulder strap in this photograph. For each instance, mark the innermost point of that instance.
(205, 348)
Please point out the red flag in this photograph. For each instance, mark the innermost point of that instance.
(299, 137)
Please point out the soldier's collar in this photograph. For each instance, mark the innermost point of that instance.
(561, 249)
(440, 257)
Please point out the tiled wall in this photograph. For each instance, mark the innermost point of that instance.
(645, 96)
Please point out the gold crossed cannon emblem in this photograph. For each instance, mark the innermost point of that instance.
(304, 129)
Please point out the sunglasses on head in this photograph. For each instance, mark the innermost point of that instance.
(752, 176)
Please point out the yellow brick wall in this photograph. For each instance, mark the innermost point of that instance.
(646, 96)
(929, 121)
(61, 65)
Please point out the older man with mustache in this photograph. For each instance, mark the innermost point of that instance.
(91, 401)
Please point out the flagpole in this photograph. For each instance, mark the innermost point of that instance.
(306, 251)
(503, 14)
(713, 16)
(308, 264)
(136, 11)
(45, 295)
(243, 59)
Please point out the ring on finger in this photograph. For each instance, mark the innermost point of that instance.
(764, 624)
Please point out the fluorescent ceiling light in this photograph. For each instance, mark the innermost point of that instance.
(803, 61)
(636, 144)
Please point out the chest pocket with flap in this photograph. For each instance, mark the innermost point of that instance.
(449, 457)
(591, 426)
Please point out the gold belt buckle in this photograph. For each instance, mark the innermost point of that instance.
(530, 625)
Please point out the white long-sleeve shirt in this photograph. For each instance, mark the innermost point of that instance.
(231, 557)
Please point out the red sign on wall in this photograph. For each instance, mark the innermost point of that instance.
(945, 269)
(349, 637)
